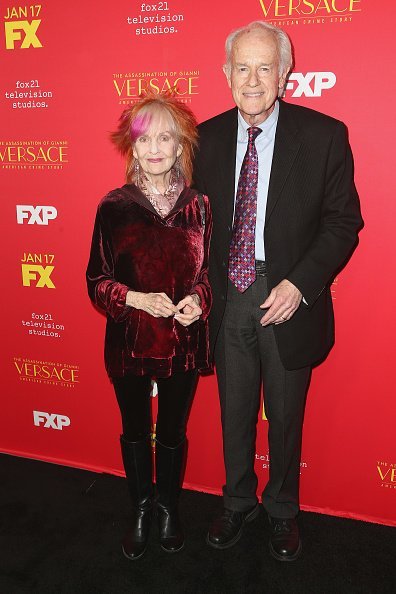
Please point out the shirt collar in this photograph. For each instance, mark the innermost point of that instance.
(266, 126)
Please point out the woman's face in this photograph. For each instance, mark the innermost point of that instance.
(158, 148)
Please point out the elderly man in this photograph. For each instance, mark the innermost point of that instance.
(285, 219)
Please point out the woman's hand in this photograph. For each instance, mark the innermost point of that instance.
(156, 304)
(189, 310)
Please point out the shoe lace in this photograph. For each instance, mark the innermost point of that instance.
(281, 525)
(227, 513)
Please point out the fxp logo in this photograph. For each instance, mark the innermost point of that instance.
(22, 34)
(39, 215)
(311, 84)
(50, 420)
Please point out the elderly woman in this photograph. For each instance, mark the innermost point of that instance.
(148, 272)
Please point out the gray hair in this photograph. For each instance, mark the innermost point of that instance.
(281, 37)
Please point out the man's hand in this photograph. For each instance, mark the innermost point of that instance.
(156, 304)
(282, 302)
(189, 310)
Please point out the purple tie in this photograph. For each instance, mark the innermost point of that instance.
(241, 268)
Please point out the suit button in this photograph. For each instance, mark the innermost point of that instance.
(222, 297)
(224, 264)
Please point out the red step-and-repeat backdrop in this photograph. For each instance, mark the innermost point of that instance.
(67, 71)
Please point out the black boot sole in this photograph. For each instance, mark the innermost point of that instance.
(135, 558)
(171, 551)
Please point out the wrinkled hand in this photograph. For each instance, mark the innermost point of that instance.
(282, 302)
(189, 310)
(156, 304)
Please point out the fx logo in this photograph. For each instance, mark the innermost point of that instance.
(50, 420)
(39, 275)
(39, 215)
(15, 29)
(300, 83)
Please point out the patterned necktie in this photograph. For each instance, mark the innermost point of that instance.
(241, 268)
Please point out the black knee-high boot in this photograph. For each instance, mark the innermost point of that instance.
(137, 458)
(169, 478)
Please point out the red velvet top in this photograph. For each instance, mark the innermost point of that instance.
(134, 248)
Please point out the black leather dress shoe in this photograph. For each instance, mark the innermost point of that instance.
(285, 543)
(227, 529)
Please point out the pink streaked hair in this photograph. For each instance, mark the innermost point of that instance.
(140, 125)
(136, 119)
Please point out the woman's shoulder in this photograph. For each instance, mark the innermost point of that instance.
(193, 193)
(190, 196)
(203, 199)
(117, 197)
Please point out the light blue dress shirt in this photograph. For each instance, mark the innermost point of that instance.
(265, 149)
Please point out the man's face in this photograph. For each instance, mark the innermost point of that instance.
(254, 75)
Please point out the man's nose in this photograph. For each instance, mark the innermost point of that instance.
(253, 80)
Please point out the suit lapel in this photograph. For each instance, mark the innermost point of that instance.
(287, 144)
(227, 157)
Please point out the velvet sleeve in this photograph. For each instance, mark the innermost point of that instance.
(202, 286)
(103, 288)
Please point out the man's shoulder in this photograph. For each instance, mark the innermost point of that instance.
(219, 121)
(305, 116)
(298, 113)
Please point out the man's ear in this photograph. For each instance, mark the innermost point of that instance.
(283, 78)
(227, 72)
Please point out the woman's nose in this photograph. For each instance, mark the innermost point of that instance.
(153, 146)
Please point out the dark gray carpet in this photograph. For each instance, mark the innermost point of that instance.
(60, 531)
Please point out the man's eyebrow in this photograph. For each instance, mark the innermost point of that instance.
(262, 64)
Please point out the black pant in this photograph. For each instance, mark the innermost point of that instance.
(246, 352)
(175, 395)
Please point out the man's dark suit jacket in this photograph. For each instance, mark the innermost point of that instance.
(312, 219)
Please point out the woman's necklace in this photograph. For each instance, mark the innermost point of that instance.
(162, 202)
